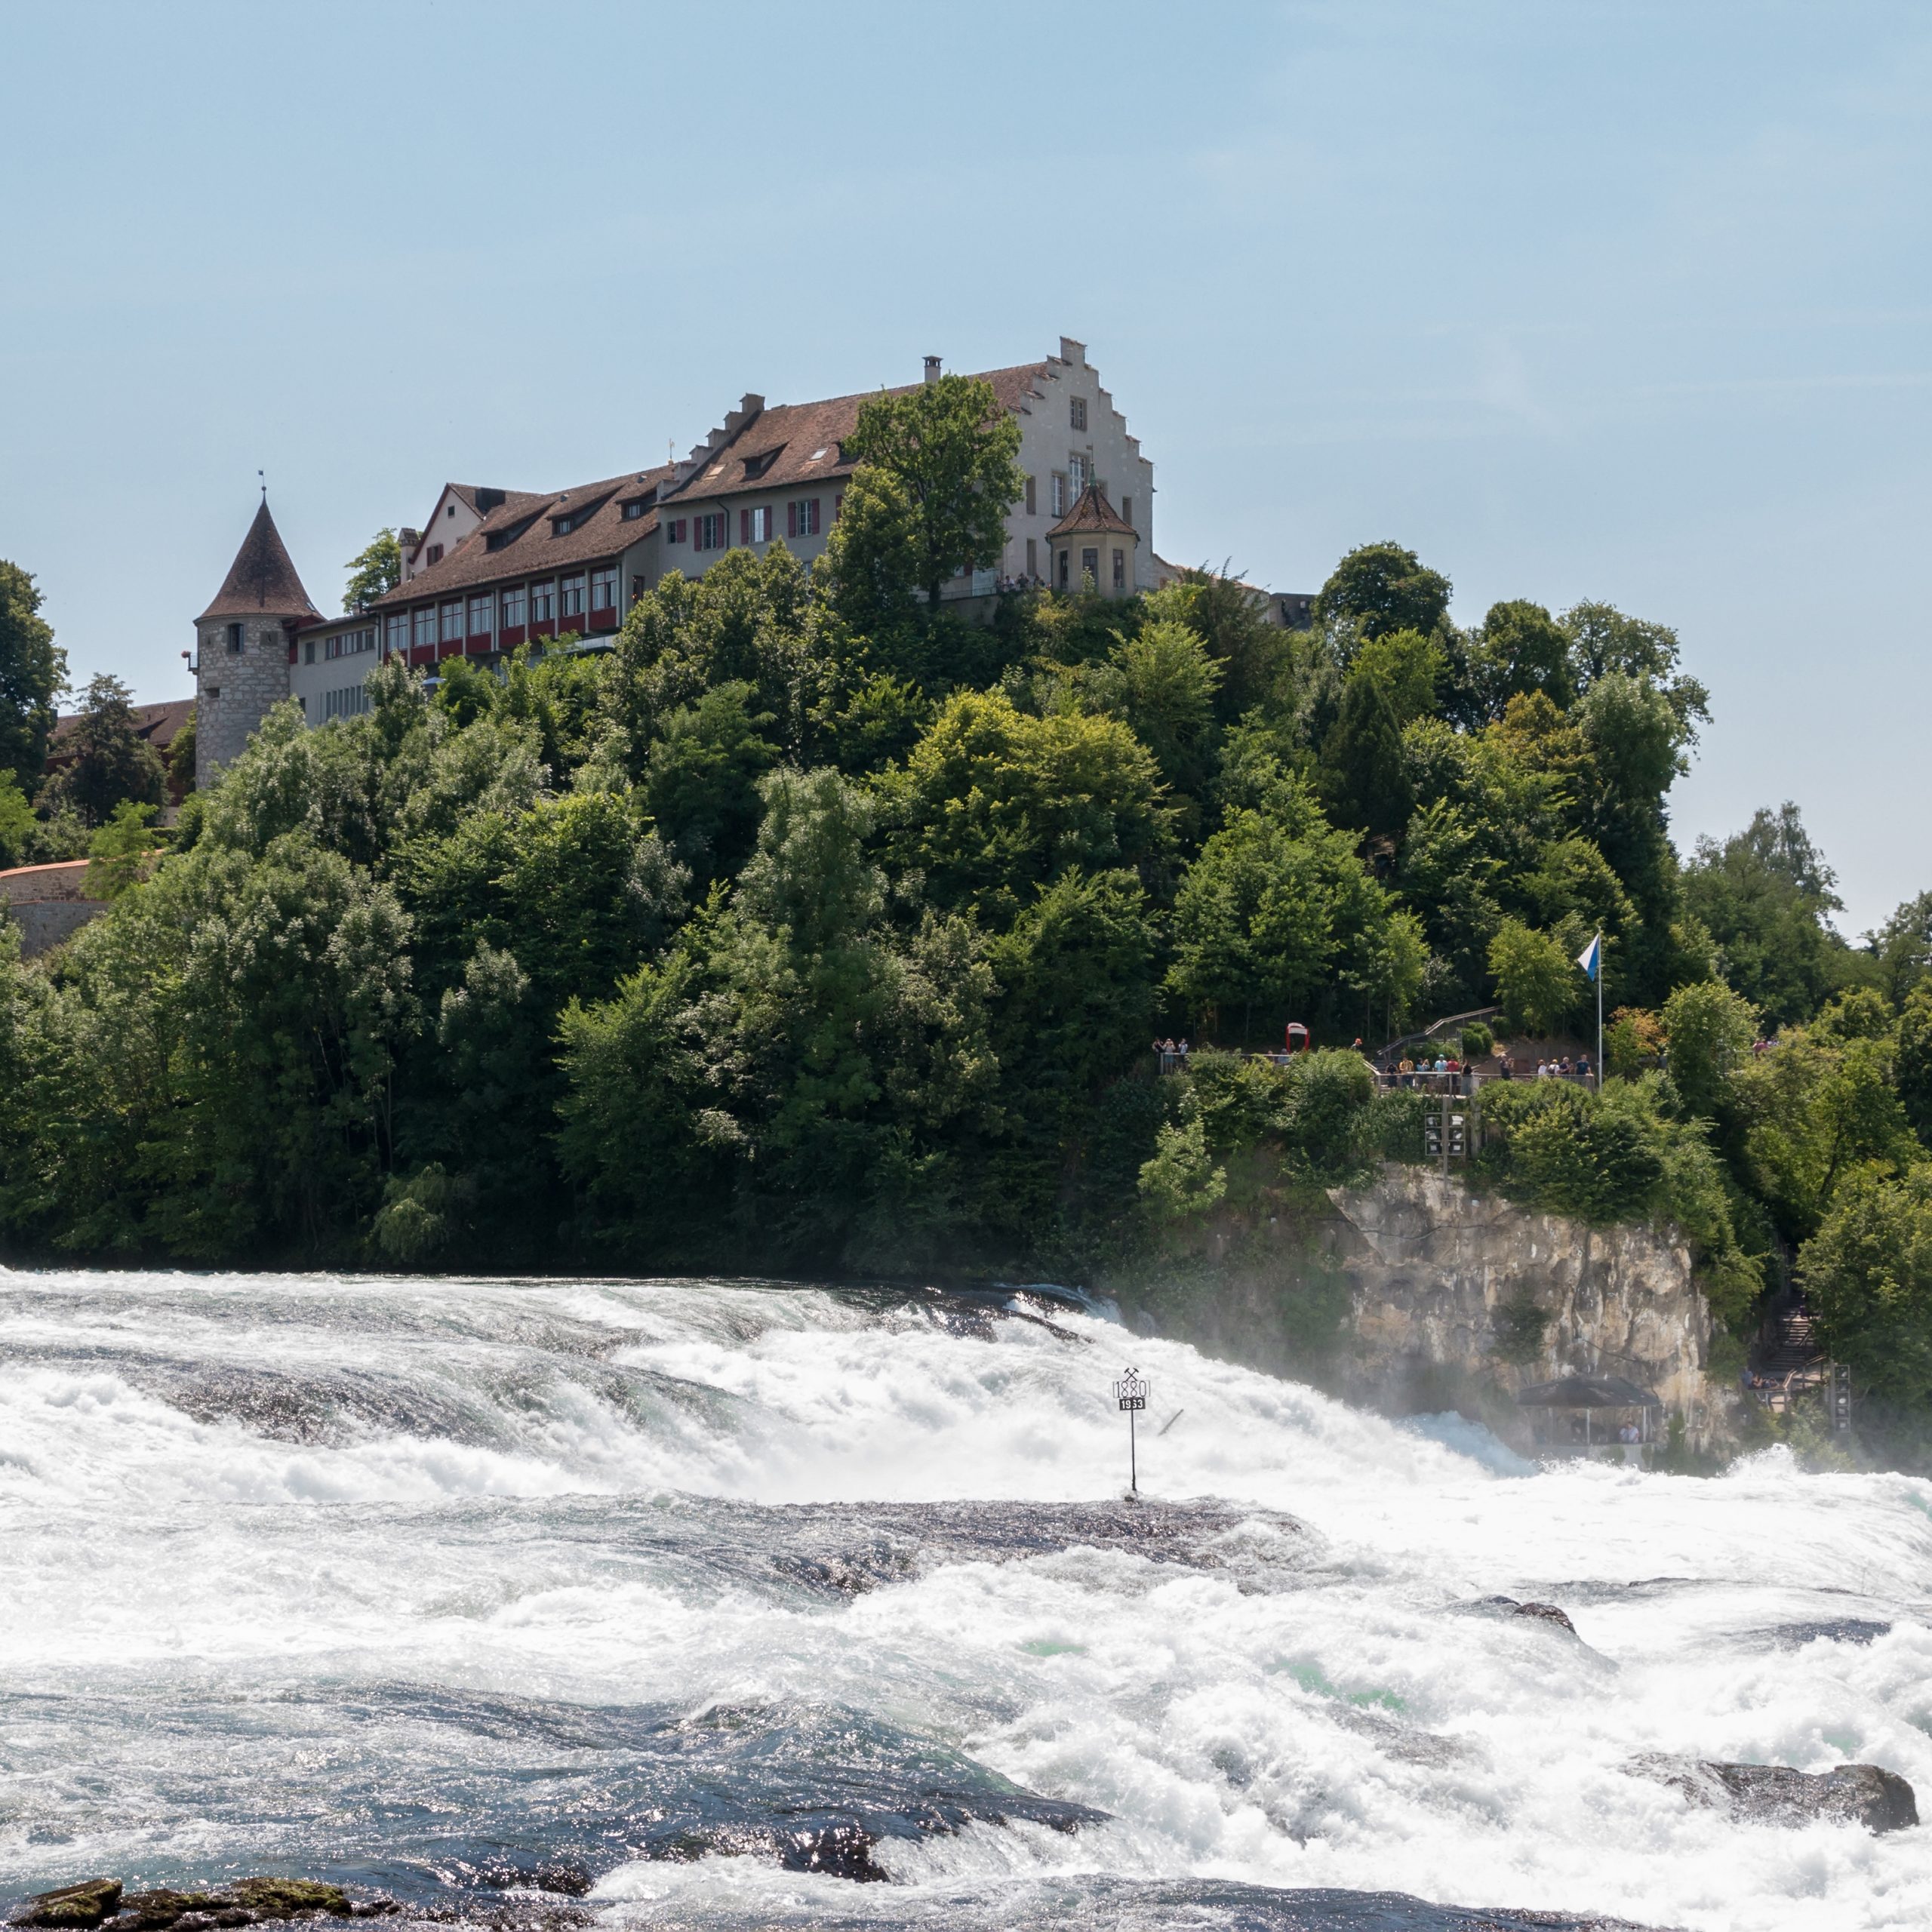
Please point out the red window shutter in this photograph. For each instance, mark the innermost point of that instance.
(744, 526)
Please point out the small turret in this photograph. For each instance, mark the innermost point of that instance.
(241, 666)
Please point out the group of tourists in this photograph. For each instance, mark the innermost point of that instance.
(1170, 1055)
(1423, 1072)
(1564, 1068)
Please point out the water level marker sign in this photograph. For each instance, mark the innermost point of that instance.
(1130, 1392)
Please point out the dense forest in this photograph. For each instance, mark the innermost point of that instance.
(813, 926)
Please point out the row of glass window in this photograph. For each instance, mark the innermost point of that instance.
(513, 609)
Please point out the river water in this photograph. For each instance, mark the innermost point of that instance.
(705, 1604)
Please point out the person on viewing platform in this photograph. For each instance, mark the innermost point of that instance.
(1405, 1071)
(1505, 1067)
(1583, 1066)
(1542, 1069)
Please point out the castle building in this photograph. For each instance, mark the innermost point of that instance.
(495, 568)
(244, 640)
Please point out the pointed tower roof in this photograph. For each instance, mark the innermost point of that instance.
(262, 579)
(1092, 512)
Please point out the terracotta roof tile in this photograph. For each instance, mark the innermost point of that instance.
(522, 526)
(262, 578)
(156, 723)
(1091, 511)
(793, 445)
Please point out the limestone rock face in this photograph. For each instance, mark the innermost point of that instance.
(1437, 1271)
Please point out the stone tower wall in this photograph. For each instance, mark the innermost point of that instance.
(234, 690)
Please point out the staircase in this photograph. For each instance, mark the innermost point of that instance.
(1795, 1347)
(1788, 1359)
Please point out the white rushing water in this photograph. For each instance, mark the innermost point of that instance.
(303, 1573)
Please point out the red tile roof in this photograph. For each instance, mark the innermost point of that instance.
(262, 579)
(522, 529)
(157, 723)
(791, 445)
(1091, 511)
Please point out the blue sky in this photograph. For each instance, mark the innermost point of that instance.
(1621, 301)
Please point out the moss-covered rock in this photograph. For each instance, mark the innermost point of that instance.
(283, 1898)
(80, 1906)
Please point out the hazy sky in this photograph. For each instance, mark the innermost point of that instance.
(1617, 301)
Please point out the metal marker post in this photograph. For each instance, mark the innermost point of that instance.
(1130, 1393)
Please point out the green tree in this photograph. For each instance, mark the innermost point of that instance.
(1708, 1029)
(1521, 650)
(952, 452)
(112, 761)
(1902, 948)
(1076, 990)
(17, 823)
(373, 571)
(1867, 1274)
(1275, 909)
(993, 804)
(181, 758)
(1362, 774)
(1536, 981)
(1765, 897)
(1381, 587)
(122, 853)
(1168, 682)
(1914, 1060)
(701, 779)
(821, 1060)
(33, 673)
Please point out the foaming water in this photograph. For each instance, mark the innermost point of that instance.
(712, 1598)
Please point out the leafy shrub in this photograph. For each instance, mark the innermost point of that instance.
(1478, 1040)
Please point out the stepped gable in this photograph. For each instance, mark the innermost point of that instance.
(518, 536)
(1092, 513)
(262, 580)
(789, 444)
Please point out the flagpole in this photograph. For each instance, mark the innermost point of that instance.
(1599, 979)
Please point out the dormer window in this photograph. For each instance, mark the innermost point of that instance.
(562, 526)
(757, 466)
(499, 539)
(637, 505)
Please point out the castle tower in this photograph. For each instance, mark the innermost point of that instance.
(241, 663)
(1094, 545)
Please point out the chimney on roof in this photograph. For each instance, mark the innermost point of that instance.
(1072, 352)
(932, 369)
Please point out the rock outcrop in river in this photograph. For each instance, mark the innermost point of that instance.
(1419, 1293)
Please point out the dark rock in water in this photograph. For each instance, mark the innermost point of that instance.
(1864, 1795)
(85, 1905)
(1831, 1630)
(283, 1898)
(246, 1901)
(149, 1912)
(1545, 1613)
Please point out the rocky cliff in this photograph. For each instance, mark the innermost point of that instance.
(1417, 1293)
(1443, 1279)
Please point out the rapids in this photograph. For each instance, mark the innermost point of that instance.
(650, 1594)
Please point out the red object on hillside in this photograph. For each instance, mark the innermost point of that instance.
(1297, 1037)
